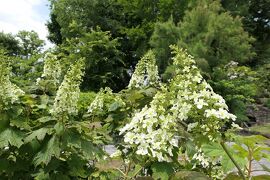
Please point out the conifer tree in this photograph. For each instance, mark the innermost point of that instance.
(213, 35)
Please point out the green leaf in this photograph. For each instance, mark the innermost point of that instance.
(228, 165)
(162, 170)
(59, 128)
(213, 149)
(51, 149)
(114, 106)
(20, 123)
(45, 119)
(261, 177)
(12, 137)
(135, 171)
(76, 165)
(39, 134)
(90, 151)
(41, 175)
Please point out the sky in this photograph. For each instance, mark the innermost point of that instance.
(16, 15)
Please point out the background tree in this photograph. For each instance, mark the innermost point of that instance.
(164, 35)
(255, 17)
(210, 33)
(104, 65)
(9, 43)
(132, 22)
(30, 43)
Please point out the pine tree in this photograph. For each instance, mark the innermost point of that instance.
(213, 35)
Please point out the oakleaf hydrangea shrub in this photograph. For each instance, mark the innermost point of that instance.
(146, 72)
(50, 78)
(67, 96)
(9, 92)
(98, 104)
(187, 103)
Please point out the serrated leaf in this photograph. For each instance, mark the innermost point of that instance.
(51, 149)
(39, 134)
(89, 150)
(20, 123)
(162, 170)
(73, 139)
(228, 165)
(12, 137)
(213, 149)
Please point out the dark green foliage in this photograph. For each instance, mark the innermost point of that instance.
(55, 30)
(162, 170)
(104, 65)
(263, 74)
(238, 86)
(255, 17)
(164, 35)
(211, 34)
(9, 43)
(30, 43)
(131, 22)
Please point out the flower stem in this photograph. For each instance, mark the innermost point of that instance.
(233, 160)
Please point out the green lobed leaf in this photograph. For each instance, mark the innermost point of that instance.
(12, 137)
(51, 149)
(39, 134)
(162, 170)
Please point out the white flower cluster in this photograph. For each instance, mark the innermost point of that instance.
(146, 72)
(67, 96)
(104, 96)
(189, 99)
(98, 102)
(209, 162)
(9, 92)
(51, 70)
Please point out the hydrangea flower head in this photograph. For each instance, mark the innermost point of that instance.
(9, 92)
(146, 72)
(67, 96)
(186, 100)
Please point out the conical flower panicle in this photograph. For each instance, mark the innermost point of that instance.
(146, 72)
(68, 93)
(103, 97)
(9, 92)
(52, 70)
(154, 131)
(98, 102)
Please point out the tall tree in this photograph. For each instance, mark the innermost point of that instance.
(9, 43)
(210, 33)
(30, 43)
(132, 22)
(104, 65)
(256, 19)
(164, 35)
